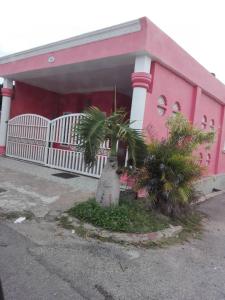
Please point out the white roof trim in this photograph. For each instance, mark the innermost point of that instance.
(98, 35)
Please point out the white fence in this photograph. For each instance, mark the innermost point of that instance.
(52, 143)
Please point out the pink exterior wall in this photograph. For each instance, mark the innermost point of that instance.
(103, 100)
(213, 111)
(166, 51)
(30, 99)
(175, 89)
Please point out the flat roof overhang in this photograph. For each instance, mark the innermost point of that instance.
(114, 41)
(95, 75)
(94, 61)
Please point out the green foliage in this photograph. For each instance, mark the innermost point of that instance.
(170, 167)
(127, 217)
(184, 136)
(95, 128)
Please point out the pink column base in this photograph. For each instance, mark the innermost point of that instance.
(2, 150)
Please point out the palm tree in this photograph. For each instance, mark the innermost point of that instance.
(93, 130)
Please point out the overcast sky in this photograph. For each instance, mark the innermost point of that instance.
(196, 25)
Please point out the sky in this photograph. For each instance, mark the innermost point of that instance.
(198, 26)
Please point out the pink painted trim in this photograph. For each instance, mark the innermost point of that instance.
(7, 92)
(141, 79)
(2, 150)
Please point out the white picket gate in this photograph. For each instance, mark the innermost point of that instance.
(63, 151)
(27, 137)
(52, 143)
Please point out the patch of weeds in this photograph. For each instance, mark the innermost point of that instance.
(28, 215)
(192, 225)
(132, 216)
(128, 216)
(106, 239)
(81, 231)
(11, 215)
(192, 228)
(17, 214)
(65, 223)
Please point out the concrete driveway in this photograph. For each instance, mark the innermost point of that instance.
(30, 187)
(39, 260)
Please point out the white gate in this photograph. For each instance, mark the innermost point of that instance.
(63, 150)
(27, 137)
(34, 138)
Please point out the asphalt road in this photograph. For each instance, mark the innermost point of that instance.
(24, 277)
(40, 261)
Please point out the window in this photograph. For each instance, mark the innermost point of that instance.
(200, 158)
(212, 124)
(161, 107)
(204, 122)
(208, 159)
(176, 108)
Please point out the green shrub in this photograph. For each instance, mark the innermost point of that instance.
(170, 167)
(128, 216)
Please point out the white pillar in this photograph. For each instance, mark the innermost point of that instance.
(5, 114)
(141, 80)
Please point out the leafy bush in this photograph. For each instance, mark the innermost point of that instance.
(170, 167)
(128, 216)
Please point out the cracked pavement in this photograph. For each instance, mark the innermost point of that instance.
(39, 260)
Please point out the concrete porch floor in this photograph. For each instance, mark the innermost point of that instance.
(32, 187)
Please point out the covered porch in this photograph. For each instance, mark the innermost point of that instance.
(46, 90)
(53, 92)
(41, 107)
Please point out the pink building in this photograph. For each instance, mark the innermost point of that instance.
(154, 78)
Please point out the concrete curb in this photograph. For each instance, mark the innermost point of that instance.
(208, 196)
(133, 238)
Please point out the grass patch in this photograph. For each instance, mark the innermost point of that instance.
(128, 216)
(65, 223)
(132, 216)
(192, 225)
(16, 214)
(192, 228)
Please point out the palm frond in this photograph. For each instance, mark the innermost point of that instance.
(91, 132)
(137, 149)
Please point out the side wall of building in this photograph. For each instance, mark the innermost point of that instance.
(171, 93)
